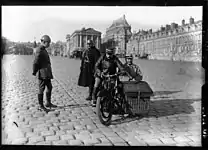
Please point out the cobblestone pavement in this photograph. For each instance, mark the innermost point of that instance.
(174, 118)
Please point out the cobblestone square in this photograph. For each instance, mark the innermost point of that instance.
(174, 118)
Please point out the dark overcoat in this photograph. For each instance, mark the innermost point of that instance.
(87, 69)
(42, 64)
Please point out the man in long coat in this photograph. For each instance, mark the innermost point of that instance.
(42, 65)
(87, 69)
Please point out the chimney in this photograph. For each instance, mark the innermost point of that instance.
(183, 22)
(124, 17)
(191, 20)
(167, 27)
(173, 26)
(162, 28)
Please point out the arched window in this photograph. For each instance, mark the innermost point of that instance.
(189, 38)
(171, 41)
(186, 39)
(180, 40)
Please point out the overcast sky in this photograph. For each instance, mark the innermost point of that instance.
(23, 23)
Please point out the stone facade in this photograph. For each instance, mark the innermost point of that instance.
(78, 40)
(172, 42)
(117, 35)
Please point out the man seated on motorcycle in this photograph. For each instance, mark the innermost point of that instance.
(106, 64)
(132, 68)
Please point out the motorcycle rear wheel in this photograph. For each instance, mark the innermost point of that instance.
(103, 110)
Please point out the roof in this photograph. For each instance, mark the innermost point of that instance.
(120, 22)
(116, 30)
(88, 30)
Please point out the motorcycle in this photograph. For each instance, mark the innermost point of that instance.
(121, 97)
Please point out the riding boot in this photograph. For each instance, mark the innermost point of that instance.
(41, 106)
(48, 100)
(89, 98)
(94, 97)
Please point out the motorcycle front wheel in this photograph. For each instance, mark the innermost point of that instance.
(103, 110)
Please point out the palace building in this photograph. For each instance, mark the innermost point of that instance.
(78, 40)
(117, 35)
(172, 42)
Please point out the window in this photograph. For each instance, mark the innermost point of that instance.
(180, 40)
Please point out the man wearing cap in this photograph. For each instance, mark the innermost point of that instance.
(42, 65)
(133, 69)
(87, 69)
(106, 64)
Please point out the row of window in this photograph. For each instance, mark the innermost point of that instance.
(168, 33)
(198, 44)
(175, 40)
(179, 49)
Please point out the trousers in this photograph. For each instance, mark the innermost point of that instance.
(97, 82)
(45, 83)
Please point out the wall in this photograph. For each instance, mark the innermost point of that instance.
(181, 44)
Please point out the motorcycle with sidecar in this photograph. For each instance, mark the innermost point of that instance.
(117, 97)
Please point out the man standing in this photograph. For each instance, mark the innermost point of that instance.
(87, 69)
(42, 65)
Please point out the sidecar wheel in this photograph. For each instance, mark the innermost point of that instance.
(103, 110)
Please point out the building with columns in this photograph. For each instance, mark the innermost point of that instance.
(78, 40)
(172, 42)
(117, 35)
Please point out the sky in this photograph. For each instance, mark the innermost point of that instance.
(29, 23)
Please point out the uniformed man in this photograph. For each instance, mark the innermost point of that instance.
(42, 65)
(133, 69)
(87, 69)
(106, 64)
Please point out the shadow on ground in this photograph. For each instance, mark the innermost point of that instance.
(74, 106)
(156, 93)
(162, 108)
(159, 108)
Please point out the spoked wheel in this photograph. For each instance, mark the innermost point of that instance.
(103, 110)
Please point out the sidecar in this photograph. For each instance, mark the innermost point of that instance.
(137, 95)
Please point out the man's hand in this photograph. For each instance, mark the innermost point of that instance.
(98, 72)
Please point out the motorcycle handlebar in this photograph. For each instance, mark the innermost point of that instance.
(110, 76)
(114, 75)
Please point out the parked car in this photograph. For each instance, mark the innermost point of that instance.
(76, 54)
(144, 56)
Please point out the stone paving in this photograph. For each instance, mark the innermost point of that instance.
(174, 118)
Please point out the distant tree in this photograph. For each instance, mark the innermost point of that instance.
(58, 48)
(67, 37)
(3, 46)
(34, 44)
(6, 46)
